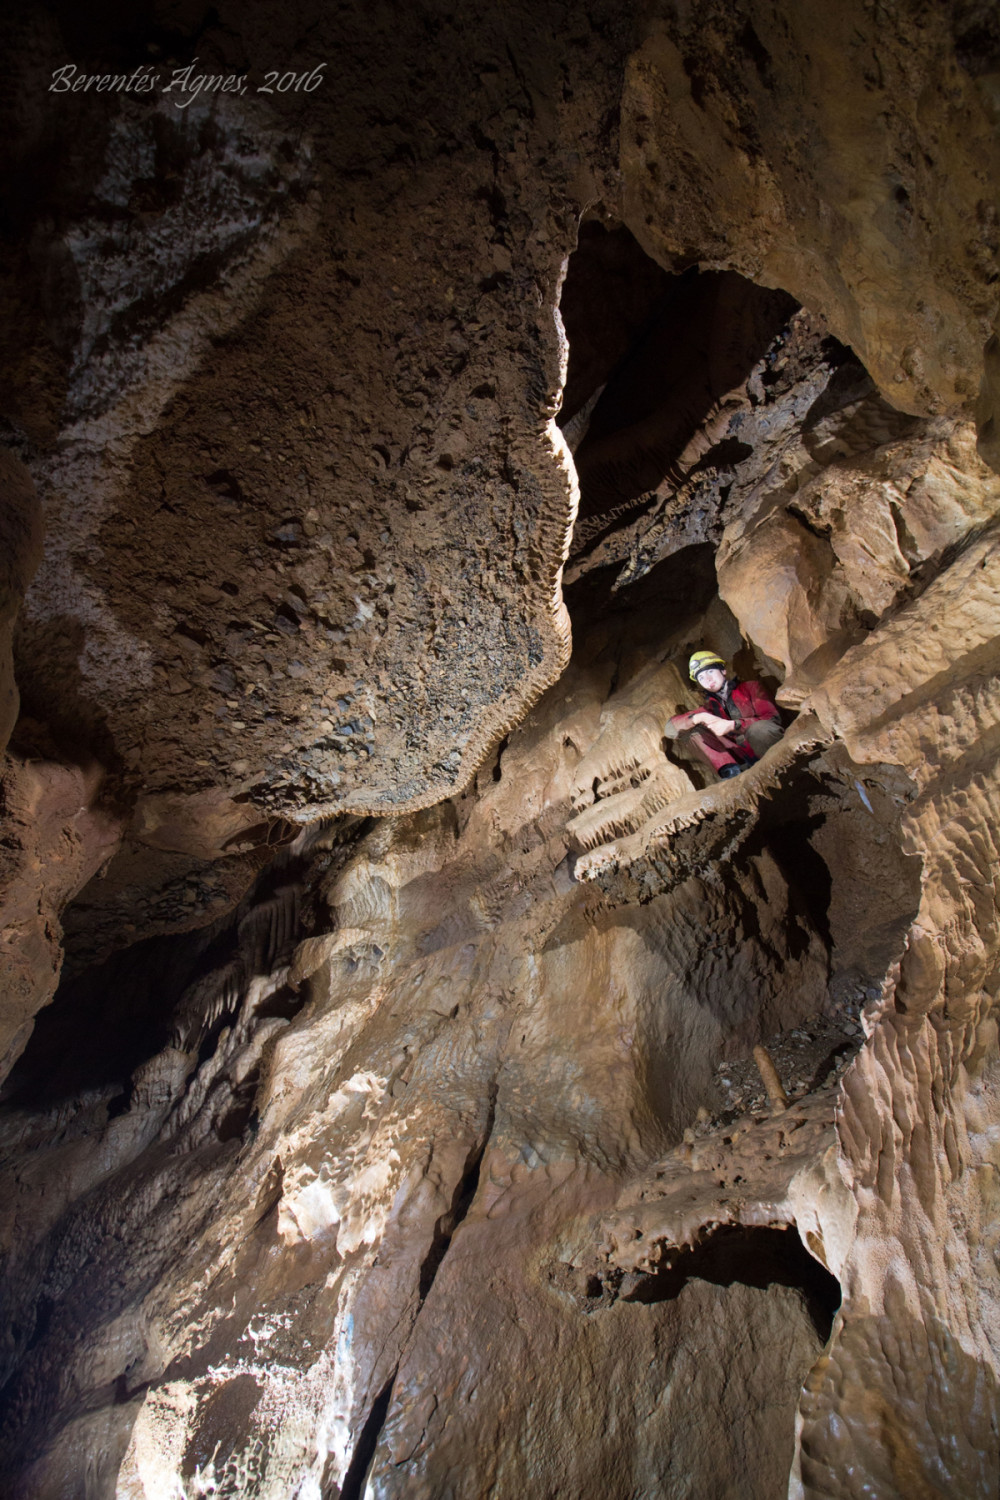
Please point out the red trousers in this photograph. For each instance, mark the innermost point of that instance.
(725, 750)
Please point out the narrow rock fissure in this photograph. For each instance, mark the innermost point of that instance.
(355, 1478)
(462, 1200)
(353, 1486)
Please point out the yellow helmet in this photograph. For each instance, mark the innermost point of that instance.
(701, 660)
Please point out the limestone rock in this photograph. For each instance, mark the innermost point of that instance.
(783, 144)
(364, 1148)
(20, 554)
(57, 835)
(824, 557)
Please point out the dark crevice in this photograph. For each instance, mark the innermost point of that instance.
(724, 455)
(751, 1257)
(225, 485)
(210, 1041)
(462, 1199)
(805, 870)
(234, 1123)
(680, 586)
(102, 1024)
(663, 351)
(829, 1062)
(821, 530)
(758, 54)
(109, 1017)
(353, 1486)
(497, 770)
(44, 1308)
(356, 1476)
(613, 685)
(786, 825)
(285, 1003)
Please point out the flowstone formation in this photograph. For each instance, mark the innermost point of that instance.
(419, 1078)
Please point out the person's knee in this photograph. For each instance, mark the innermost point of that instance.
(763, 735)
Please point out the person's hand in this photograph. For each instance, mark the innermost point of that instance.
(714, 723)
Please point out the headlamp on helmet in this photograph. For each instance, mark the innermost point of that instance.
(701, 661)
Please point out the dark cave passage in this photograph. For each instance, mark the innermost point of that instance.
(835, 834)
(352, 1486)
(652, 355)
(179, 989)
(104, 1022)
(674, 387)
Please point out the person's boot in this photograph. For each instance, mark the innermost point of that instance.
(731, 770)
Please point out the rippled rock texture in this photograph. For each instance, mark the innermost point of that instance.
(393, 1129)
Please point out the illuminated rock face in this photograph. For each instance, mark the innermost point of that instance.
(378, 1154)
(286, 397)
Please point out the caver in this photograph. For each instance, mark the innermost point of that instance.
(738, 724)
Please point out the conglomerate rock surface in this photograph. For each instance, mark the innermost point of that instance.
(381, 1137)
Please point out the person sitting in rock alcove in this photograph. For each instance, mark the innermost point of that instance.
(739, 722)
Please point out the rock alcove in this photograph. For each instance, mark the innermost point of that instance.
(353, 1143)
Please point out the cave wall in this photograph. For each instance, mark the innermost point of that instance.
(807, 147)
(386, 1183)
(480, 1052)
(182, 282)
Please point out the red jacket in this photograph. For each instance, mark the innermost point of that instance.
(746, 702)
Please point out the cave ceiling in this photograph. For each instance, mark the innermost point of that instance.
(419, 1078)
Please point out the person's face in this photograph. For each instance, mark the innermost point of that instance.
(712, 679)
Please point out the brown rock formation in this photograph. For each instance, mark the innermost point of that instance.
(21, 551)
(802, 146)
(364, 1149)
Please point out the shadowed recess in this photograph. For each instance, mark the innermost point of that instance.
(752, 1257)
